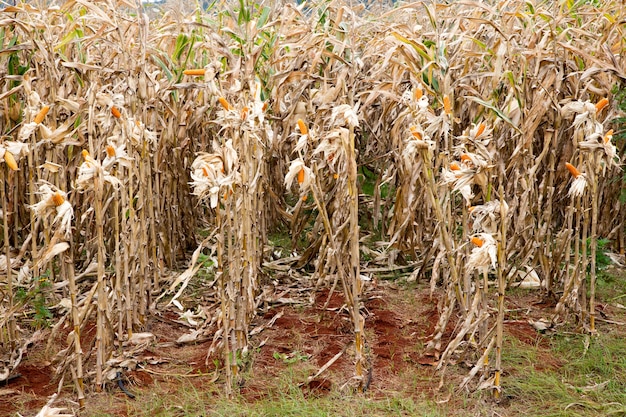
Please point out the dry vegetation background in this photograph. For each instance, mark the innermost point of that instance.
(478, 143)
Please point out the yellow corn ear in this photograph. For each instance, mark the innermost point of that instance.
(42, 113)
(301, 176)
(303, 128)
(10, 160)
(481, 129)
(224, 103)
(58, 199)
(601, 104)
(572, 169)
(198, 72)
(447, 106)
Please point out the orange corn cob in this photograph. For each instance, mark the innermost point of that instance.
(58, 199)
(85, 154)
(455, 167)
(481, 129)
(608, 136)
(110, 151)
(601, 104)
(198, 72)
(42, 113)
(335, 176)
(572, 170)
(205, 171)
(477, 241)
(303, 128)
(418, 93)
(244, 112)
(301, 176)
(465, 158)
(447, 106)
(417, 135)
(10, 160)
(116, 112)
(224, 103)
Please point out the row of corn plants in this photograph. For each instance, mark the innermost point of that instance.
(489, 126)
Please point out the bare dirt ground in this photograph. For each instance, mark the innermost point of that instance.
(399, 323)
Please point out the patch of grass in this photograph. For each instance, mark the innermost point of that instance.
(589, 378)
(184, 398)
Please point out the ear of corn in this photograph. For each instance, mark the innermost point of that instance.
(110, 151)
(42, 114)
(224, 103)
(197, 72)
(447, 105)
(454, 166)
(477, 241)
(481, 129)
(10, 160)
(302, 126)
(116, 112)
(601, 104)
(301, 176)
(58, 199)
(608, 136)
(572, 169)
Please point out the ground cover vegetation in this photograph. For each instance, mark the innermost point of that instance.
(299, 155)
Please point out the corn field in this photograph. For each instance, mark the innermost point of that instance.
(480, 142)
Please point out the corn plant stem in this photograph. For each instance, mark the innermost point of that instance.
(593, 249)
(582, 291)
(231, 292)
(501, 293)
(67, 268)
(127, 218)
(7, 253)
(102, 296)
(355, 273)
(119, 299)
(221, 287)
(78, 383)
(32, 158)
(144, 281)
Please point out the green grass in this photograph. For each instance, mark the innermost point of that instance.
(577, 376)
(286, 399)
